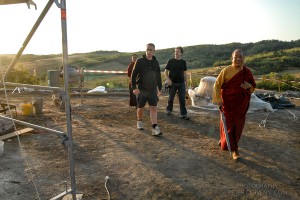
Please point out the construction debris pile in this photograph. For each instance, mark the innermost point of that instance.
(277, 101)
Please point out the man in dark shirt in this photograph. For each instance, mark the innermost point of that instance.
(175, 73)
(146, 84)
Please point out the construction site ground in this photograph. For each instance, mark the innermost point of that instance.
(184, 163)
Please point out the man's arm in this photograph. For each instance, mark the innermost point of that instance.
(159, 81)
(134, 74)
(166, 73)
(185, 77)
(129, 69)
(252, 80)
(217, 88)
(251, 84)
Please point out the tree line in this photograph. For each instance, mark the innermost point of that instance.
(264, 57)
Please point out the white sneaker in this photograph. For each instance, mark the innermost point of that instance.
(139, 125)
(156, 131)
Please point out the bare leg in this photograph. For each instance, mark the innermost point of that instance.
(139, 113)
(153, 114)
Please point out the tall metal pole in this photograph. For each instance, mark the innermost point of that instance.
(66, 96)
(62, 7)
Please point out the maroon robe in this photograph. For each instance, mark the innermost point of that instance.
(235, 104)
(132, 97)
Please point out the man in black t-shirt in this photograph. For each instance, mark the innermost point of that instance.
(175, 73)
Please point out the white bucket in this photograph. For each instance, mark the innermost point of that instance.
(1, 148)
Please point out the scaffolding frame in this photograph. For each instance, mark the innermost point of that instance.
(66, 95)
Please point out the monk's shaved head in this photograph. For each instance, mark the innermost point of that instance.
(237, 58)
(239, 51)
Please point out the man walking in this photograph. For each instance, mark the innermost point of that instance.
(232, 92)
(146, 84)
(175, 73)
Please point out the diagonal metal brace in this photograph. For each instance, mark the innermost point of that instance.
(58, 4)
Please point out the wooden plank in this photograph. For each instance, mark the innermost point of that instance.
(13, 134)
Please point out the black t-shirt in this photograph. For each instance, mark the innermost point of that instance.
(176, 70)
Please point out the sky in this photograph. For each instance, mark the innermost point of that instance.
(127, 26)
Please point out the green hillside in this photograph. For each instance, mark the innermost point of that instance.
(262, 57)
(275, 61)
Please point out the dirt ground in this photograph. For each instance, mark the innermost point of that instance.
(184, 163)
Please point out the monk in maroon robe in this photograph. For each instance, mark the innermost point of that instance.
(232, 92)
(132, 97)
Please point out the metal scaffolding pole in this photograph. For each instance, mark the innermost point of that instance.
(33, 125)
(62, 6)
(66, 96)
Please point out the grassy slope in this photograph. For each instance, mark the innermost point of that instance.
(201, 59)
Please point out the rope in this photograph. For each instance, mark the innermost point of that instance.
(295, 118)
(204, 108)
(105, 185)
(263, 122)
(23, 153)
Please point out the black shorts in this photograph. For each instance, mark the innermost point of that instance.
(147, 96)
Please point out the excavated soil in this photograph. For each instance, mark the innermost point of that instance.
(184, 163)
